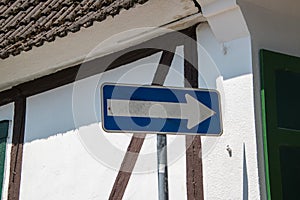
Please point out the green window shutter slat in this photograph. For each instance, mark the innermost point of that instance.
(4, 129)
(3, 138)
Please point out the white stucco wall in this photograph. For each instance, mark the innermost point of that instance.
(273, 26)
(7, 113)
(56, 163)
(230, 72)
(59, 162)
(53, 152)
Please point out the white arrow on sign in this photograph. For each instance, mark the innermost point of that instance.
(193, 110)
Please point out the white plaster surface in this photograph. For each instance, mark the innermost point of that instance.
(231, 74)
(60, 163)
(57, 164)
(6, 112)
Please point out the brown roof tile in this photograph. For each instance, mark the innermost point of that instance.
(28, 23)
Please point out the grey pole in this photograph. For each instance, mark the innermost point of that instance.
(159, 79)
(162, 167)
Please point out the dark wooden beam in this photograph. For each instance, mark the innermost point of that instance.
(127, 166)
(72, 74)
(194, 172)
(17, 148)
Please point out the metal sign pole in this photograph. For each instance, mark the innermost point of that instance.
(159, 79)
(162, 167)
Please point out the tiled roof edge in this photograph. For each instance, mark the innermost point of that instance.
(28, 23)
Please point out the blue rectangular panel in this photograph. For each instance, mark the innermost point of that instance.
(116, 120)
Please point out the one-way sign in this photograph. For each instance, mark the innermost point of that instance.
(164, 110)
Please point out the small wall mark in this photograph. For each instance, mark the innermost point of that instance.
(229, 150)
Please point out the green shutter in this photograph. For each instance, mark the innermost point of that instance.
(3, 139)
(281, 110)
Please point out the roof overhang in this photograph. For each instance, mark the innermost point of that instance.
(64, 52)
(225, 19)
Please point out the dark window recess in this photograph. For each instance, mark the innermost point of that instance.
(288, 99)
(290, 172)
(3, 139)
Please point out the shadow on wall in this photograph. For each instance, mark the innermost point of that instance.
(245, 175)
(75, 105)
(229, 59)
(69, 107)
(273, 27)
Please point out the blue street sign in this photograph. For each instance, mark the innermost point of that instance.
(164, 110)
